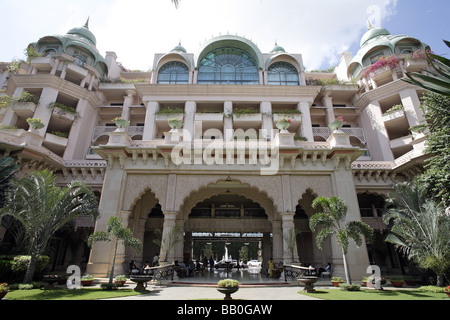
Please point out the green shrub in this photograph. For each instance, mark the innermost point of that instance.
(20, 263)
(107, 286)
(431, 289)
(349, 287)
(228, 283)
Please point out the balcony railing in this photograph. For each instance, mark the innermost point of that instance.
(104, 130)
(325, 133)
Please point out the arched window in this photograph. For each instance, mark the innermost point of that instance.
(173, 73)
(283, 74)
(228, 66)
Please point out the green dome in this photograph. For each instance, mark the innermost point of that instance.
(179, 48)
(84, 33)
(373, 33)
(277, 48)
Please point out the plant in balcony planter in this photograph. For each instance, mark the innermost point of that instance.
(382, 62)
(36, 123)
(87, 280)
(283, 124)
(175, 123)
(228, 287)
(337, 124)
(3, 290)
(121, 123)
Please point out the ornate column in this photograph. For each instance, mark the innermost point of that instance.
(306, 121)
(277, 254)
(127, 103)
(149, 128)
(170, 237)
(290, 253)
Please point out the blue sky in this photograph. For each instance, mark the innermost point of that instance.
(137, 29)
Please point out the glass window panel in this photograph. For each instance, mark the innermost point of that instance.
(173, 73)
(283, 73)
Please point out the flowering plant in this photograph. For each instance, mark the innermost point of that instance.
(285, 120)
(121, 123)
(337, 124)
(419, 55)
(4, 287)
(283, 124)
(382, 62)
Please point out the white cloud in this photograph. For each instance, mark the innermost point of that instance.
(137, 29)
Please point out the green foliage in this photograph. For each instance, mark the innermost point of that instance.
(431, 289)
(228, 283)
(20, 263)
(169, 111)
(419, 228)
(87, 277)
(437, 175)
(437, 81)
(349, 287)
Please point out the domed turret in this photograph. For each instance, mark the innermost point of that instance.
(84, 33)
(277, 49)
(373, 33)
(179, 48)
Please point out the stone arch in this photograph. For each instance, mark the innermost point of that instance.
(137, 185)
(187, 199)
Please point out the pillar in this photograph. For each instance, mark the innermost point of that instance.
(277, 242)
(414, 114)
(100, 260)
(228, 121)
(328, 103)
(127, 103)
(190, 109)
(150, 126)
(267, 122)
(377, 136)
(290, 253)
(307, 131)
(170, 237)
(48, 95)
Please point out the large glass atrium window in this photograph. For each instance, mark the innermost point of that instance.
(173, 73)
(283, 74)
(228, 66)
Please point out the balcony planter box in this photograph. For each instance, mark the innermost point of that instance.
(209, 117)
(43, 63)
(251, 117)
(56, 140)
(165, 117)
(292, 117)
(78, 71)
(381, 73)
(416, 65)
(24, 109)
(394, 115)
(62, 114)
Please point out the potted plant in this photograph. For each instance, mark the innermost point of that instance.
(396, 282)
(364, 281)
(337, 124)
(283, 124)
(121, 123)
(87, 280)
(3, 290)
(175, 123)
(228, 287)
(336, 281)
(410, 281)
(120, 280)
(35, 123)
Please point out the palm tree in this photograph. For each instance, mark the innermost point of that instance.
(8, 169)
(420, 228)
(43, 208)
(115, 232)
(332, 222)
(437, 81)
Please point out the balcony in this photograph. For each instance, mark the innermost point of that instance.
(104, 130)
(325, 133)
(43, 63)
(416, 65)
(24, 109)
(209, 117)
(76, 71)
(401, 142)
(396, 115)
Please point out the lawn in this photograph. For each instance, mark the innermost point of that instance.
(66, 294)
(386, 294)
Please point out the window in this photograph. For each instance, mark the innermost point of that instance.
(228, 66)
(283, 74)
(173, 73)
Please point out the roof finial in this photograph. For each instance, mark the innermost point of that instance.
(86, 25)
(369, 25)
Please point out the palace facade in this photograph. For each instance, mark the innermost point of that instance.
(228, 172)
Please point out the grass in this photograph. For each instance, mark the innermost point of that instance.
(66, 294)
(386, 294)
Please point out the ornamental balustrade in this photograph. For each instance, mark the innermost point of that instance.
(325, 133)
(104, 130)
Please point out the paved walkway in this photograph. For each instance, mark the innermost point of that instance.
(185, 292)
